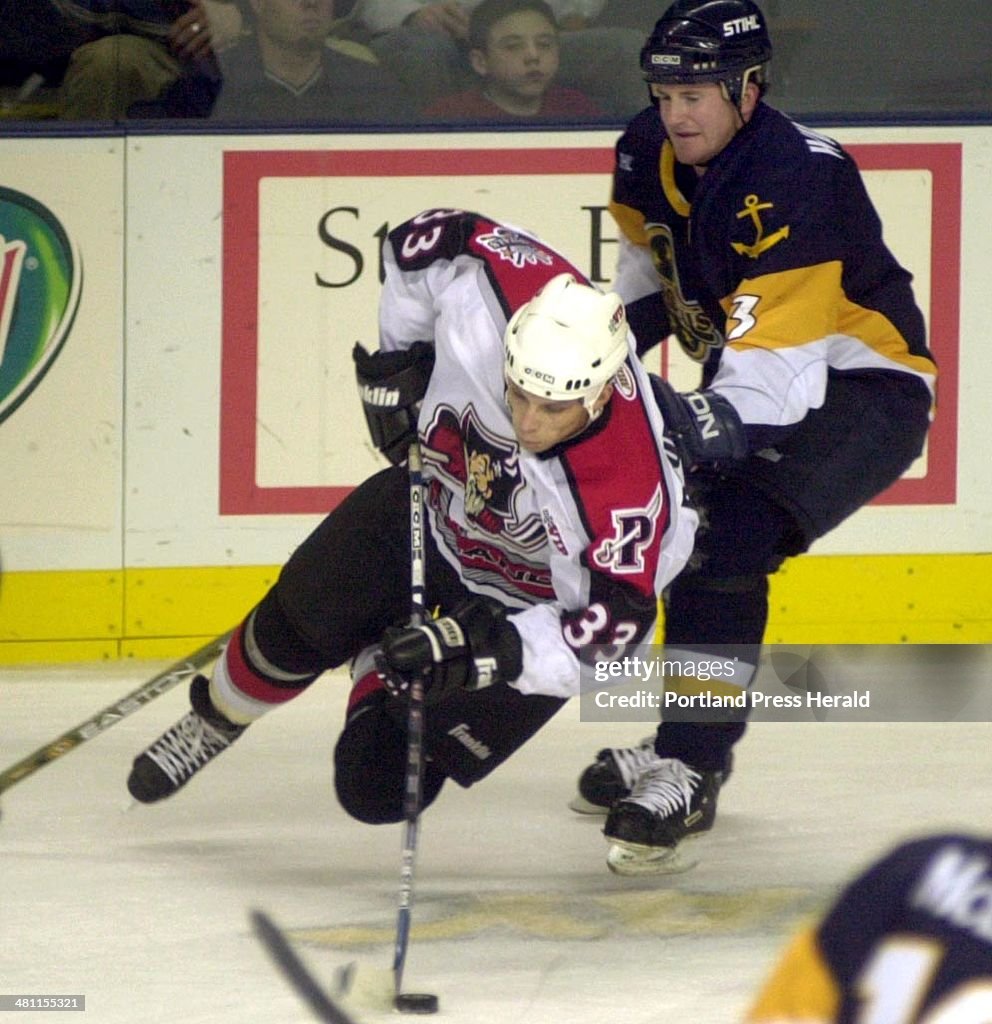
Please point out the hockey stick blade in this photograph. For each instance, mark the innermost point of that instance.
(295, 972)
(111, 715)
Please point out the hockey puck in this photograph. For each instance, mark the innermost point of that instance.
(416, 1002)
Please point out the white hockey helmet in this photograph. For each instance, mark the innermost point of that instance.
(567, 342)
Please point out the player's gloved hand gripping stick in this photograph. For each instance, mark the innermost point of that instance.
(473, 647)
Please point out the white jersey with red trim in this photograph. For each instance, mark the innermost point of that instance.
(581, 539)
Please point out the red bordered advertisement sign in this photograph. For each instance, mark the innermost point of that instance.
(242, 493)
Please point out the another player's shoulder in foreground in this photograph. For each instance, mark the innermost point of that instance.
(925, 886)
(939, 886)
(909, 940)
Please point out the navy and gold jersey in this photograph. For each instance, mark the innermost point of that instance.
(908, 942)
(770, 269)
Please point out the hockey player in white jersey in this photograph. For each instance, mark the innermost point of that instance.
(555, 514)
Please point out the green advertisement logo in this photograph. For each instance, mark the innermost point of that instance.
(40, 284)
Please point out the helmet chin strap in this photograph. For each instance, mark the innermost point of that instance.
(740, 102)
(589, 402)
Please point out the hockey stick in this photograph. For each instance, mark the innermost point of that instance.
(112, 714)
(292, 967)
(415, 726)
(271, 936)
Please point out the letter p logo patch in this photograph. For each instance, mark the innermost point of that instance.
(633, 532)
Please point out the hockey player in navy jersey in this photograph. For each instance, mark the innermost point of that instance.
(908, 941)
(753, 241)
(555, 517)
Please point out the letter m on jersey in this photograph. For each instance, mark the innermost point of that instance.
(633, 533)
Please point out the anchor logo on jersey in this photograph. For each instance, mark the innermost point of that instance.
(633, 532)
(486, 466)
(696, 332)
(762, 242)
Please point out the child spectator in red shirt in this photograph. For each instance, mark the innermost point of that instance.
(513, 47)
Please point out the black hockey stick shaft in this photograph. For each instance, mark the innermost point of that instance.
(418, 600)
(113, 713)
(415, 722)
(293, 968)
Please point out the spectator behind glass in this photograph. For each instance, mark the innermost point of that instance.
(514, 50)
(96, 57)
(425, 44)
(288, 71)
(105, 77)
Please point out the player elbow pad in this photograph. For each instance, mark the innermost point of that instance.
(704, 425)
(391, 386)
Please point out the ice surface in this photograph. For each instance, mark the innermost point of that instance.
(144, 910)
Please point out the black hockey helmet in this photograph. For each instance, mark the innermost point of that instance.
(722, 41)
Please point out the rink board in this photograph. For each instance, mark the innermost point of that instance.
(201, 415)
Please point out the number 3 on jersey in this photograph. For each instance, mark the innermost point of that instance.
(742, 312)
(420, 243)
(594, 630)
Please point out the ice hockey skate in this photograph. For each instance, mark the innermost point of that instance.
(611, 777)
(669, 802)
(180, 752)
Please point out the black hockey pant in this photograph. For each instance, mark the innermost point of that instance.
(867, 433)
(344, 585)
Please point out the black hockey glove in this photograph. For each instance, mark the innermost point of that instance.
(391, 386)
(704, 426)
(473, 647)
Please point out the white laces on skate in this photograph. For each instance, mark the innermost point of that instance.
(631, 761)
(665, 786)
(187, 747)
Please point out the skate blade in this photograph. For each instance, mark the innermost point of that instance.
(581, 805)
(632, 861)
